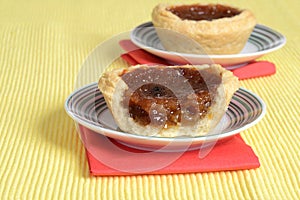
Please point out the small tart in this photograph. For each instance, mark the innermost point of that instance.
(213, 28)
(168, 101)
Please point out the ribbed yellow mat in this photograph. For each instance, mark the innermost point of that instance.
(42, 47)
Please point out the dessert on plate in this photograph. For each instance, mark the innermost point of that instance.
(212, 29)
(168, 101)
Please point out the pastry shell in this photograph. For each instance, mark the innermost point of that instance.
(226, 35)
(114, 89)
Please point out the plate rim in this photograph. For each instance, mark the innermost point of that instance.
(212, 56)
(205, 138)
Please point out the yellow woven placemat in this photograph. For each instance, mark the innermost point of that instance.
(42, 47)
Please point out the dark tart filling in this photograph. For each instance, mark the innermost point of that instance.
(167, 96)
(203, 12)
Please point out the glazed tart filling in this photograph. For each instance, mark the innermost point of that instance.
(203, 12)
(167, 96)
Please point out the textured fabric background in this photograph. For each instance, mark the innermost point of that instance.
(42, 47)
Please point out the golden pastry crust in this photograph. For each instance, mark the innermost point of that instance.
(114, 88)
(226, 35)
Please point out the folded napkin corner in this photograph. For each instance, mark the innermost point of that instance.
(233, 154)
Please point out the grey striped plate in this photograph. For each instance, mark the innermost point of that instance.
(87, 107)
(263, 40)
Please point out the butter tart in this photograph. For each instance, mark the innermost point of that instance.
(168, 101)
(215, 28)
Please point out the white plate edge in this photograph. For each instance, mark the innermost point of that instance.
(102, 130)
(229, 56)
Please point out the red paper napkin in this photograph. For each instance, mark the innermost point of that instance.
(135, 56)
(107, 157)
